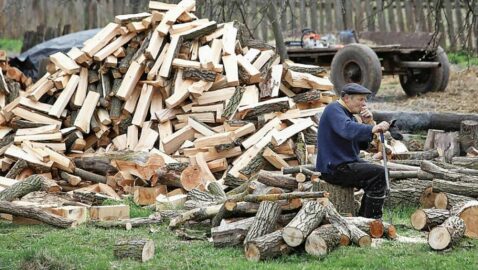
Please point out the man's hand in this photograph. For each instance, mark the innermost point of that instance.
(366, 115)
(382, 127)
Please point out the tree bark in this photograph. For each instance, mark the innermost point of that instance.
(265, 220)
(468, 211)
(468, 135)
(267, 246)
(285, 196)
(341, 197)
(426, 219)
(447, 234)
(37, 214)
(307, 220)
(22, 188)
(420, 155)
(277, 180)
(459, 188)
(467, 162)
(233, 103)
(17, 168)
(197, 214)
(199, 74)
(322, 241)
(137, 249)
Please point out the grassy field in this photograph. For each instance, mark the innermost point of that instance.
(87, 247)
(12, 46)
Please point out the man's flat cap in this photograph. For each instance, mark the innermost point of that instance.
(355, 89)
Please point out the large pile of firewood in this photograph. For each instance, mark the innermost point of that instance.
(187, 114)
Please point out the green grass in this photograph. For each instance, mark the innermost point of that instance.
(88, 247)
(11, 45)
(462, 58)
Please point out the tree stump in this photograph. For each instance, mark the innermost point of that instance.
(447, 234)
(137, 249)
(341, 197)
(426, 219)
(322, 240)
(265, 220)
(267, 246)
(307, 219)
(468, 135)
(468, 212)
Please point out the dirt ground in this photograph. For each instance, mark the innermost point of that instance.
(460, 95)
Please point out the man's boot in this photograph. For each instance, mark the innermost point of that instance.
(373, 207)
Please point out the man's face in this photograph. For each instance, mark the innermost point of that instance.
(355, 102)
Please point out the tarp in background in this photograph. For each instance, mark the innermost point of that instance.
(30, 61)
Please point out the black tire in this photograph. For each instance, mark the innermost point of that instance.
(356, 63)
(419, 81)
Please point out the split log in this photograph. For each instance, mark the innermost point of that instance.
(277, 180)
(170, 174)
(467, 162)
(137, 249)
(341, 197)
(265, 220)
(17, 168)
(401, 197)
(197, 214)
(266, 247)
(36, 214)
(426, 219)
(447, 234)
(373, 227)
(307, 220)
(299, 169)
(459, 188)
(445, 200)
(322, 241)
(468, 212)
(129, 223)
(22, 188)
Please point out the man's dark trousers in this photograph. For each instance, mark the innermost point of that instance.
(364, 175)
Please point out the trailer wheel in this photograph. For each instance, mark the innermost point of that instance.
(356, 63)
(420, 80)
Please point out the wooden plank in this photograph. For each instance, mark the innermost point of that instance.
(216, 96)
(153, 72)
(156, 103)
(130, 104)
(130, 80)
(205, 171)
(154, 45)
(17, 153)
(65, 96)
(184, 6)
(244, 130)
(200, 127)
(39, 91)
(256, 137)
(206, 117)
(34, 117)
(120, 142)
(60, 161)
(113, 46)
(101, 39)
(36, 152)
(65, 63)
(80, 93)
(183, 63)
(262, 59)
(39, 137)
(127, 18)
(274, 159)
(109, 212)
(181, 92)
(170, 55)
(280, 137)
(255, 75)
(230, 66)
(229, 39)
(83, 119)
(216, 49)
(143, 105)
(172, 142)
(251, 54)
(182, 27)
(215, 139)
(308, 81)
(59, 147)
(77, 55)
(165, 129)
(147, 140)
(38, 106)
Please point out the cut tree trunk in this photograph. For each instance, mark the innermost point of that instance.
(420, 155)
(137, 249)
(22, 188)
(129, 223)
(285, 196)
(467, 162)
(445, 200)
(341, 197)
(447, 234)
(36, 214)
(401, 197)
(373, 227)
(265, 220)
(197, 214)
(426, 219)
(322, 241)
(266, 247)
(468, 211)
(359, 237)
(307, 220)
(459, 188)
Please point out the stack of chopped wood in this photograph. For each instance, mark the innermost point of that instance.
(12, 80)
(162, 102)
